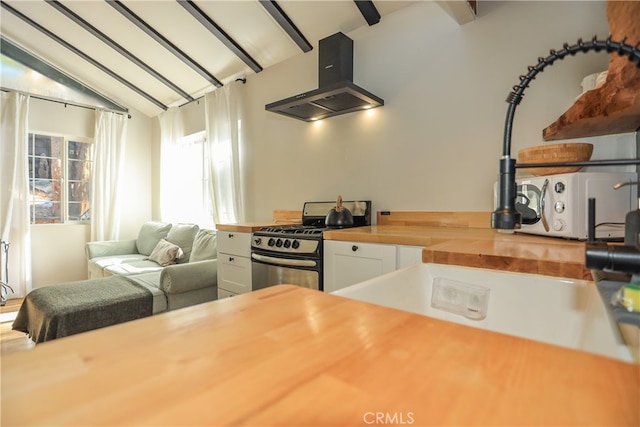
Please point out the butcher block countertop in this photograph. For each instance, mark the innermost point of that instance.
(287, 355)
(280, 217)
(456, 238)
(246, 227)
(479, 247)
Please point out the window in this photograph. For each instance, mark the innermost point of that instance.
(60, 171)
(188, 198)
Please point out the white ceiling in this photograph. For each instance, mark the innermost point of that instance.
(247, 22)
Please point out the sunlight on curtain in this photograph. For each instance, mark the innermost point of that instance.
(14, 196)
(110, 142)
(223, 147)
(173, 163)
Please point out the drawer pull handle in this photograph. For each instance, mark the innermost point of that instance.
(354, 248)
(230, 235)
(231, 259)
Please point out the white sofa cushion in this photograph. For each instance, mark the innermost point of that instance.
(133, 267)
(106, 261)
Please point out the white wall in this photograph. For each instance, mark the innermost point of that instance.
(58, 249)
(435, 144)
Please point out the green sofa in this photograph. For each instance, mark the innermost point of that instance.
(176, 262)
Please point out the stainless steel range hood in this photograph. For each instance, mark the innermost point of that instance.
(337, 94)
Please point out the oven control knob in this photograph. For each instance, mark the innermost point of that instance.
(287, 243)
(559, 207)
(295, 244)
(257, 241)
(558, 225)
(559, 187)
(279, 243)
(271, 242)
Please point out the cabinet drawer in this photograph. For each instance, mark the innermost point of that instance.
(230, 242)
(234, 273)
(360, 250)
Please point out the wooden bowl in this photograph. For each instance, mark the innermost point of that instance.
(555, 153)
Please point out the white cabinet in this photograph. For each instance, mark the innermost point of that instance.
(348, 263)
(408, 255)
(225, 294)
(234, 263)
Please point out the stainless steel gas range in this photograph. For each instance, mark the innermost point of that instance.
(292, 254)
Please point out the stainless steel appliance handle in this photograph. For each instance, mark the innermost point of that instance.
(284, 261)
(542, 204)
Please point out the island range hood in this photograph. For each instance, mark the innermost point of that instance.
(337, 94)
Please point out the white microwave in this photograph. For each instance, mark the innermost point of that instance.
(557, 205)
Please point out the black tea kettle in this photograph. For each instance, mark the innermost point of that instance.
(339, 216)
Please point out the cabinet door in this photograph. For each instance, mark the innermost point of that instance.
(231, 242)
(234, 273)
(348, 263)
(408, 255)
(225, 294)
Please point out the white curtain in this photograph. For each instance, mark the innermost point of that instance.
(110, 142)
(223, 147)
(171, 165)
(14, 191)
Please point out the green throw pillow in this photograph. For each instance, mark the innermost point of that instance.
(150, 234)
(183, 235)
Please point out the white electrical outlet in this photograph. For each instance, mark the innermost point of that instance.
(466, 299)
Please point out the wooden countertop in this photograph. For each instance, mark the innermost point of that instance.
(287, 355)
(478, 247)
(247, 227)
(457, 238)
(280, 217)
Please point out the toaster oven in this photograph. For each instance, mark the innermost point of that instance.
(557, 205)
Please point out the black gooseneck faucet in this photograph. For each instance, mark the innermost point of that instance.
(506, 217)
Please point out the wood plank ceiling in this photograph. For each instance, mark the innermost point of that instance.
(150, 55)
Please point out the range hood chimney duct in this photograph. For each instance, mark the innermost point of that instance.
(337, 94)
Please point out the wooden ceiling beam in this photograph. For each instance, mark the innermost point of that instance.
(18, 54)
(217, 31)
(163, 41)
(368, 11)
(462, 11)
(83, 55)
(287, 24)
(117, 47)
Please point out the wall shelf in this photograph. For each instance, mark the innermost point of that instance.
(615, 106)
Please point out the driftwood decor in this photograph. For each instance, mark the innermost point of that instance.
(614, 107)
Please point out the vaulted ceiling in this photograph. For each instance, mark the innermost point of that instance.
(152, 54)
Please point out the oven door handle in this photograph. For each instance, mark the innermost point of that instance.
(284, 261)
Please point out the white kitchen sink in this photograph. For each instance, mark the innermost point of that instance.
(565, 312)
